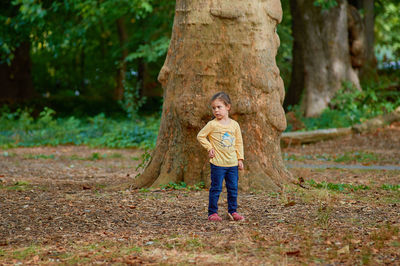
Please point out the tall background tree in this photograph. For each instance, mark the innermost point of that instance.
(321, 54)
(15, 61)
(216, 46)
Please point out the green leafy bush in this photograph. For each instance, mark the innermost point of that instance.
(20, 129)
(351, 106)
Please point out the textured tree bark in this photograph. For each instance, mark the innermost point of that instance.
(16, 79)
(221, 45)
(321, 57)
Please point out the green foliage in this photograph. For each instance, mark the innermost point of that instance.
(144, 190)
(351, 156)
(77, 45)
(175, 186)
(95, 156)
(324, 214)
(363, 157)
(152, 51)
(352, 106)
(325, 4)
(145, 159)
(19, 129)
(39, 156)
(7, 154)
(183, 186)
(387, 30)
(391, 187)
(26, 252)
(337, 187)
(197, 187)
(132, 100)
(284, 55)
(17, 186)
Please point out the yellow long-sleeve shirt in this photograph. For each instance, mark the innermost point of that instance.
(226, 140)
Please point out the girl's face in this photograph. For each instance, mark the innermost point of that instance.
(220, 110)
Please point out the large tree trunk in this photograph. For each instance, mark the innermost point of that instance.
(16, 79)
(321, 57)
(225, 45)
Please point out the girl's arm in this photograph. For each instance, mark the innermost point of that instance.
(202, 137)
(239, 143)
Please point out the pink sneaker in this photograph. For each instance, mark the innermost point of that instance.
(236, 217)
(214, 217)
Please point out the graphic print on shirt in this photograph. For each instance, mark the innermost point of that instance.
(227, 140)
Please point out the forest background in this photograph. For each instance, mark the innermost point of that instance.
(91, 67)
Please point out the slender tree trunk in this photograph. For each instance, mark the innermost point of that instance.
(357, 42)
(141, 76)
(123, 38)
(16, 79)
(221, 45)
(296, 86)
(321, 54)
(81, 61)
(369, 67)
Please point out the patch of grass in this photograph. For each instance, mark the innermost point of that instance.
(183, 186)
(337, 187)
(273, 194)
(101, 186)
(324, 214)
(7, 154)
(76, 260)
(194, 244)
(366, 255)
(95, 156)
(144, 190)
(39, 156)
(24, 253)
(17, 186)
(75, 157)
(354, 156)
(395, 244)
(113, 156)
(294, 157)
(383, 234)
(197, 187)
(361, 157)
(130, 250)
(391, 187)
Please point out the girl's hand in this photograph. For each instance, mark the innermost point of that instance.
(211, 153)
(241, 166)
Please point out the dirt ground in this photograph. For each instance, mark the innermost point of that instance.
(73, 205)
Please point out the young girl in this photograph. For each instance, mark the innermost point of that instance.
(225, 149)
